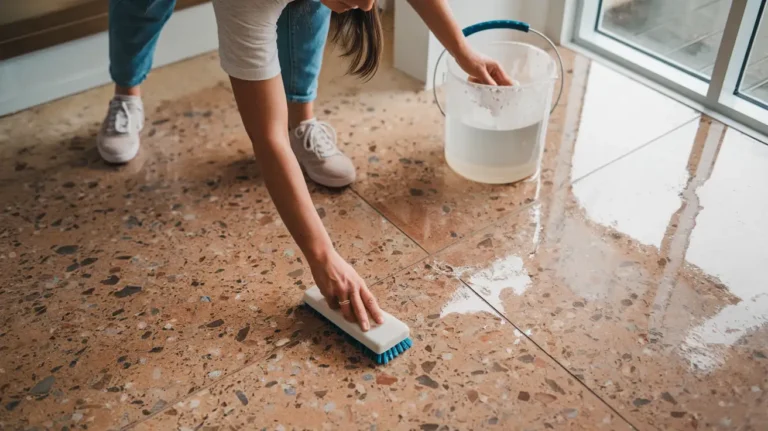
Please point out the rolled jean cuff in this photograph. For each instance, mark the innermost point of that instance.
(292, 98)
(131, 81)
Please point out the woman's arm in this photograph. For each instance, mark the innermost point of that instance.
(437, 15)
(263, 108)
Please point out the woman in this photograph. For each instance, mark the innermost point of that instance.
(286, 137)
(134, 28)
(248, 51)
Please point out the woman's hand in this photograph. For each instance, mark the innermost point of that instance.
(438, 17)
(481, 69)
(344, 289)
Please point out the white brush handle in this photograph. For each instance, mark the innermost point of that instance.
(379, 338)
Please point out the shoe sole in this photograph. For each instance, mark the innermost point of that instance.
(118, 159)
(334, 183)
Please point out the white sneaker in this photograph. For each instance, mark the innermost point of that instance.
(118, 140)
(314, 144)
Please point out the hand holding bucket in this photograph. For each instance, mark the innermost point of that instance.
(502, 25)
(495, 134)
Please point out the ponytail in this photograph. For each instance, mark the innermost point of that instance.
(360, 36)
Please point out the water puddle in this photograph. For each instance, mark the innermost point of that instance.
(504, 273)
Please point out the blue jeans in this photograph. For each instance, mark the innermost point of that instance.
(134, 27)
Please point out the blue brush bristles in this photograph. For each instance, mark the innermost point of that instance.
(380, 359)
(392, 353)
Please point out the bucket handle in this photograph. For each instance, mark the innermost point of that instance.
(508, 25)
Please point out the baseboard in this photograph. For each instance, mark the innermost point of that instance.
(75, 66)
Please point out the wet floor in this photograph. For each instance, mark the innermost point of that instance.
(623, 287)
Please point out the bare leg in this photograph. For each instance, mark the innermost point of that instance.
(298, 112)
(128, 91)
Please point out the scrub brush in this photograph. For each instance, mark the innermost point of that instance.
(382, 343)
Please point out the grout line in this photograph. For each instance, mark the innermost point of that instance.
(625, 155)
(388, 220)
(494, 223)
(529, 338)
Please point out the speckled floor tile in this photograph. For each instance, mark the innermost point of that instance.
(644, 279)
(126, 288)
(467, 370)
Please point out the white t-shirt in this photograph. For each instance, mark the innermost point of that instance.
(248, 37)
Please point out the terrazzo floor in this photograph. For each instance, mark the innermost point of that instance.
(621, 288)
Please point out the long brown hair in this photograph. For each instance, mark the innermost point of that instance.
(361, 39)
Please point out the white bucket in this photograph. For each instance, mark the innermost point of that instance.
(496, 135)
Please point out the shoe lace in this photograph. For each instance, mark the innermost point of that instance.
(119, 119)
(319, 137)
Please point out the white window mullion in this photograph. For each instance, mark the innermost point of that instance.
(733, 51)
(588, 18)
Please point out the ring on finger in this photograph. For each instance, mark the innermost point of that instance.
(344, 302)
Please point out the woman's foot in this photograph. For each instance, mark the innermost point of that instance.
(314, 144)
(118, 139)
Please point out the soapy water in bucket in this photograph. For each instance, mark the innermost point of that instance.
(496, 134)
(495, 156)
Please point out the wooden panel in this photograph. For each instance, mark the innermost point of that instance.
(22, 37)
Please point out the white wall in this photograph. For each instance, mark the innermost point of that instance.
(416, 49)
(75, 66)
